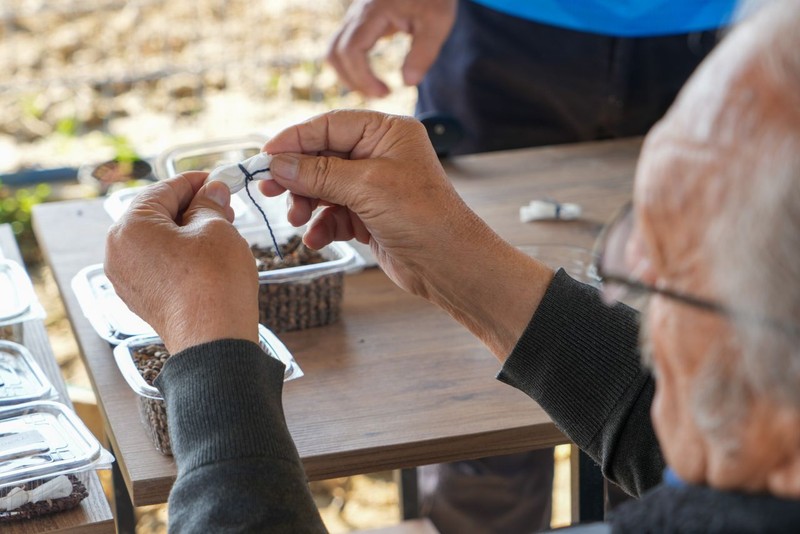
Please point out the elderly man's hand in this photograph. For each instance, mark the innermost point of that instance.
(428, 22)
(378, 180)
(178, 262)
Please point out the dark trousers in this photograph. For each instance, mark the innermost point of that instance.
(513, 83)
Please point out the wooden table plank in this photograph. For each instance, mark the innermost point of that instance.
(93, 515)
(396, 382)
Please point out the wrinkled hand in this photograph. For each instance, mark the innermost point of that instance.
(377, 179)
(177, 261)
(427, 21)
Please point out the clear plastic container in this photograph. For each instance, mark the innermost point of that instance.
(140, 360)
(303, 296)
(18, 302)
(290, 298)
(46, 456)
(206, 155)
(21, 378)
(109, 316)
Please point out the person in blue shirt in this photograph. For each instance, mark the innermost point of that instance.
(519, 73)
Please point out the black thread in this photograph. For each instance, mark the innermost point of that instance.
(248, 177)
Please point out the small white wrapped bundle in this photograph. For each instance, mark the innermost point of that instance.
(538, 210)
(56, 488)
(232, 176)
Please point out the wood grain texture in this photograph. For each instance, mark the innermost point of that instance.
(93, 515)
(396, 383)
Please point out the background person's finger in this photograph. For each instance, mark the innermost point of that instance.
(333, 58)
(425, 47)
(353, 53)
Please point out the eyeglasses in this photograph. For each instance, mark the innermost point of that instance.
(620, 283)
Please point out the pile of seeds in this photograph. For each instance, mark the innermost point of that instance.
(49, 506)
(149, 360)
(295, 305)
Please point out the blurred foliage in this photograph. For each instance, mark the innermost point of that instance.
(16, 206)
(123, 149)
(68, 126)
(31, 106)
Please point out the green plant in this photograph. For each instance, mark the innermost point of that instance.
(16, 206)
(123, 149)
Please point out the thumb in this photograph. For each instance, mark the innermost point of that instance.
(326, 178)
(212, 201)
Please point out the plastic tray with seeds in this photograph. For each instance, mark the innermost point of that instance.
(46, 456)
(140, 360)
(304, 289)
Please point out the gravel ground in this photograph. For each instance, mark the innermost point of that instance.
(80, 73)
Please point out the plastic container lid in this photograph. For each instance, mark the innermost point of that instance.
(206, 155)
(44, 439)
(339, 256)
(123, 354)
(21, 378)
(109, 316)
(18, 301)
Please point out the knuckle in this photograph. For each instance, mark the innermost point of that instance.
(322, 171)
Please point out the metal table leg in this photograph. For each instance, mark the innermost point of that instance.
(588, 492)
(124, 517)
(409, 493)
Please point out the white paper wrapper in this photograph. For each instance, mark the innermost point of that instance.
(539, 210)
(232, 175)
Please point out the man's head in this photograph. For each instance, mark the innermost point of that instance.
(718, 217)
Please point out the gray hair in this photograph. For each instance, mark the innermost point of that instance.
(754, 243)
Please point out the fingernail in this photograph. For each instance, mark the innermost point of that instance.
(218, 193)
(285, 166)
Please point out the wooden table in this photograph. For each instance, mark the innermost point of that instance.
(397, 382)
(93, 515)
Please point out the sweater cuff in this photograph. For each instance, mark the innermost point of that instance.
(572, 339)
(224, 402)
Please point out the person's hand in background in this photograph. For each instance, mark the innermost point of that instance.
(376, 178)
(177, 261)
(427, 21)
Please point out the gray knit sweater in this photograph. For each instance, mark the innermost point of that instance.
(239, 471)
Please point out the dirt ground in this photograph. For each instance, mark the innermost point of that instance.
(85, 80)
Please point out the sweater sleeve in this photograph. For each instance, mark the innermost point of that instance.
(578, 359)
(238, 468)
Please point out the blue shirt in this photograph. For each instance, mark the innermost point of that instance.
(672, 479)
(622, 18)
